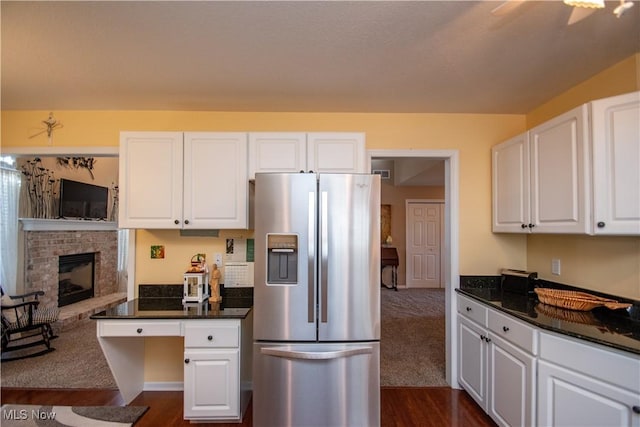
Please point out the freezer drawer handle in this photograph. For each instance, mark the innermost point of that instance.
(315, 355)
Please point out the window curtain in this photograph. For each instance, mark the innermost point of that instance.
(123, 256)
(9, 197)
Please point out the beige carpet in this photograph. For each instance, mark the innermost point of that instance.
(412, 349)
(77, 362)
(413, 338)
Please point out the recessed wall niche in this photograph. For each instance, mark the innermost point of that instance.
(103, 172)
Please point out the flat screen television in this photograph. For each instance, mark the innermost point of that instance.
(82, 200)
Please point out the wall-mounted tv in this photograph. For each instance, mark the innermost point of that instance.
(82, 200)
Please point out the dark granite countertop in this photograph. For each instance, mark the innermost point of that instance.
(619, 329)
(173, 308)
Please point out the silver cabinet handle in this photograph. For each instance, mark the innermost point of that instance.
(315, 355)
(311, 291)
(324, 258)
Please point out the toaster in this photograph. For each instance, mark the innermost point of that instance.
(518, 281)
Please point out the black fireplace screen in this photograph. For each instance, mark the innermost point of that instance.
(76, 275)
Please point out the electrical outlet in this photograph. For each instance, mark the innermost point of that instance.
(218, 260)
(555, 266)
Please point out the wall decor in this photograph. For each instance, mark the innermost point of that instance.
(40, 189)
(157, 251)
(78, 163)
(385, 222)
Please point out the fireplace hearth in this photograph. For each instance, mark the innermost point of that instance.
(76, 278)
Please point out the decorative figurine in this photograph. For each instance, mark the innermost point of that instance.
(215, 284)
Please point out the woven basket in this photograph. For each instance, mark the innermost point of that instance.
(574, 316)
(574, 300)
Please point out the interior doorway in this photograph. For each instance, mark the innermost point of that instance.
(449, 162)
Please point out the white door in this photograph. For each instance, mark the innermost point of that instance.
(423, 244)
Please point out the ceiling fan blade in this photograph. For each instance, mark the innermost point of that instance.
(578, 14)
(507, 7)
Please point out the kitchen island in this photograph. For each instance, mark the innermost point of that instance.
(217, 350)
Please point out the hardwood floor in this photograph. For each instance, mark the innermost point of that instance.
(400, 406)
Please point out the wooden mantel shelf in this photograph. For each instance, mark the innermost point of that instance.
(39, 224)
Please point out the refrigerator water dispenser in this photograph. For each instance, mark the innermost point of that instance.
(282, 259)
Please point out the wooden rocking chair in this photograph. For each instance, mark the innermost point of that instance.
(24, 325)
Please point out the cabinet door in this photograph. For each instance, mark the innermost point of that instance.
(277, 152)
(510, 180)
(150, 180)
(567, 398)
(211, 384)
(616, 156)
(472, 360)
(512, 375)
(215, 180)
(336, 152)
(560, 171)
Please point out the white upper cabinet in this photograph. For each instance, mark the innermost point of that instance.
(150, 181)
(216, 188)
(183, 180)
(277, 152)
(540, 178)
(510, 182)
(335, 152)
(559, 174)
(616, 164)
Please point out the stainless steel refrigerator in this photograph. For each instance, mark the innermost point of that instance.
(316, 355)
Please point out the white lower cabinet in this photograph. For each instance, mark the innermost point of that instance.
(586, 385)
(212, 370)
(211, 383)
(497, 363)
(524, 376)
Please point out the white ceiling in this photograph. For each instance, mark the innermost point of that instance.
(364, 56)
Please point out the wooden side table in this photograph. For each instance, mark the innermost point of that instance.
(389, 258)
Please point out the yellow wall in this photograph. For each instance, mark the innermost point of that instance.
(613, 262)
(481, 252)
(606, 264)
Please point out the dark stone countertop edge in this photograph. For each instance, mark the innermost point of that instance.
(104, 316)
(547, 327)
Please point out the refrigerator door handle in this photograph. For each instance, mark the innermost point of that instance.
(311, 314)
(315, 355)
(324, 257)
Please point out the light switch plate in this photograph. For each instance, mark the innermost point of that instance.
(555, 266)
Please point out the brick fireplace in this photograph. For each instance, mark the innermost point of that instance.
(42, 249)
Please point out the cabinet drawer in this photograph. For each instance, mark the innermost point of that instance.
(603, 363)
(514, 331)
(472, 310)
(211, 334)
(134, 328)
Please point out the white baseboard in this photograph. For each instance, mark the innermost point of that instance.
(163, 386)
